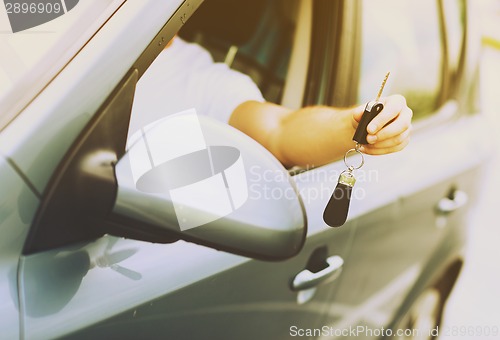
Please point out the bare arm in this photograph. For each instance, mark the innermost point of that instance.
(317, 135)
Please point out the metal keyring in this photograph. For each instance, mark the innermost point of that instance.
(351, 166)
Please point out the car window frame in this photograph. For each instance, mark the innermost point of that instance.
(334, 63)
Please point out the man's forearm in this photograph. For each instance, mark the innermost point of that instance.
(315, 136)
(307, 137)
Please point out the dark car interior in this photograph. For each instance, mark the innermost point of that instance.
(252, 37)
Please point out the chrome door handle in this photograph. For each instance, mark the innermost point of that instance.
(447, 205)
(307, 279)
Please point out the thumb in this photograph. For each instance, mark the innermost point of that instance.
(357, 113)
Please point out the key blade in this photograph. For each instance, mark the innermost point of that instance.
(382, 86)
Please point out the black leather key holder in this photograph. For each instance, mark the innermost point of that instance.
(337, 209)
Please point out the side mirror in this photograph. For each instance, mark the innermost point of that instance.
(190, 177)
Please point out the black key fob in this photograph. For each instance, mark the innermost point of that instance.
(336, 210)
(372, 109)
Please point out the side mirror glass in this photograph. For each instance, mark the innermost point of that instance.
(194, 178)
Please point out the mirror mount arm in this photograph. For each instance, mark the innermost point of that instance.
(122, 226)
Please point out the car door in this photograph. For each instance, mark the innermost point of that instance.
(114, 287)
(406, 238)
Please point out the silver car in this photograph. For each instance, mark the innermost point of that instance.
(85, 254)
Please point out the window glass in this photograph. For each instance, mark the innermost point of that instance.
(402, 37)
(30, 58)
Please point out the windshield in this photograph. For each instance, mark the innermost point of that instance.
(31, 58)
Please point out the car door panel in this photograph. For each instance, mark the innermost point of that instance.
(70, 288)
(17, 207)
(248, 300)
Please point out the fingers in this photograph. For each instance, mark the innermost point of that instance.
(393, 106)
(395, 128)
(393, 141)
(389, 145)
(372, 150)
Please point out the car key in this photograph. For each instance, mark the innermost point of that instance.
(336, 210)
(372, 109)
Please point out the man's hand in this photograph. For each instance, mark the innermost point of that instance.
(318, 135)
(390, 130)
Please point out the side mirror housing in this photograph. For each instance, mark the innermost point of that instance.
(190, 177)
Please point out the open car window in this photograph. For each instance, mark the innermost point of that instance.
(258, 43)
(31, 58)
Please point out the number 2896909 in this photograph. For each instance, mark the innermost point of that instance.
(33, 8)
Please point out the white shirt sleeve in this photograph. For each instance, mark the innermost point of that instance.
(214, 88)
(184, 76)
(218, 90)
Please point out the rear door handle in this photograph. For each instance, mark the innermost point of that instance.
(447, 205)
(307, 279)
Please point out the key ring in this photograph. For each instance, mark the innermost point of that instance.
(337, 209)
(358, 152)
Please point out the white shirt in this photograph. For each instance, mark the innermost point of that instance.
(184, 76)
